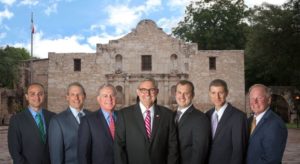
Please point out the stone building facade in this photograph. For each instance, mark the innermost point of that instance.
(147, 51)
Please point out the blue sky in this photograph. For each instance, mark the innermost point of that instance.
(78, 25)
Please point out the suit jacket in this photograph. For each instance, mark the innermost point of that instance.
(194, 137)
(95, 143)
(24, 141)
(230, 142)
(63, 135)
(268, 140)
(132, 145)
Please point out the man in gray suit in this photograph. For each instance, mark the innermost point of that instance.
(63, 128)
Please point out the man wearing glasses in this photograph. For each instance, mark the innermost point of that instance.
(145, 132)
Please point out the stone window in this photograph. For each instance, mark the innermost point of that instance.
(173, 94)
(120, 95)
(174, 63)
(146, 62)
(77, 64)
(212, 63)
(119, 59)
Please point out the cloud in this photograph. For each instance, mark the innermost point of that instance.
(8, 2)
(251, 3)
(103, 39)
(51, 9)
(68, 44)
(178, 3)
(168, 23)
(29, 2)
(6, 14)
(123, 17)
(2, 35)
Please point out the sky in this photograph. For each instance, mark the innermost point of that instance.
(64, 26)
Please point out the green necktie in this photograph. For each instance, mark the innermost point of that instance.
(41, 126)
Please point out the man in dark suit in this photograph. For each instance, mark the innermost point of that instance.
(268, 131)
(193, 127)
(96, 131)
(63, 128)
(229, 127)
(27, 132)
(145, 132)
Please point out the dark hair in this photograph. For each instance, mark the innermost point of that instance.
(76, 84)
(186, 82)
(219, 83)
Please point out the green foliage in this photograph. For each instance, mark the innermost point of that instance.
(214, 24)
(9, 68)
(273, 47)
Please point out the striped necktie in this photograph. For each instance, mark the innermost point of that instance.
(148, 123)
(40, 125)
(111, 125)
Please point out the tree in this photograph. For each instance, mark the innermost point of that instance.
(214, 24)
(10, 58)
(273, 46)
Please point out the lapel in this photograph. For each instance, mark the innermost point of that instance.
(101, 120)
(33, 124)
(260, 123)
(71, 118)
(224, 119)
(185, 115)
(156, 121)
(140, 120)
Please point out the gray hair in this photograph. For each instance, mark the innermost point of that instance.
(154, 82)
(107, 85)
(266, 89)
(77, 84)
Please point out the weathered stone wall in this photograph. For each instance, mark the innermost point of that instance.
(119, 63)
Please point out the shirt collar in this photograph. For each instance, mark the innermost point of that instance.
(33, 112)
(144, 109)
(75, 112)
(221, 111)
(182, 110)
(259, 116)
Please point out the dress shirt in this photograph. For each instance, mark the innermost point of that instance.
(75, 113)
(144, 112)
(34, 113)
(259, 116)
(106, 116)
(221, 111)
(182, 110)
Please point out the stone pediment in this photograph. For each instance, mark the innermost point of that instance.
(147, 36)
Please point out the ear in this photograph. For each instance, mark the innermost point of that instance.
(26, 96)
(157, 91)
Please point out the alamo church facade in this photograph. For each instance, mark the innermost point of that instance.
(147, 51)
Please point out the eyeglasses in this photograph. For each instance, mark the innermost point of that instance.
(145, 91)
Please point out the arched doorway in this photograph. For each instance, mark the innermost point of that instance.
(281, 107)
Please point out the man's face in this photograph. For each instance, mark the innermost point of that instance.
(75, 97)
(35, 97)
(107, 99)
(184, 95)
(259, 100)
(217, 96)
(147, 93)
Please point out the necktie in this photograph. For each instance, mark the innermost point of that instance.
(253, 124)
(112, 125)
(148, 123)
(214, 124)
(41, 127)
(178, 114)
(80, 115)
